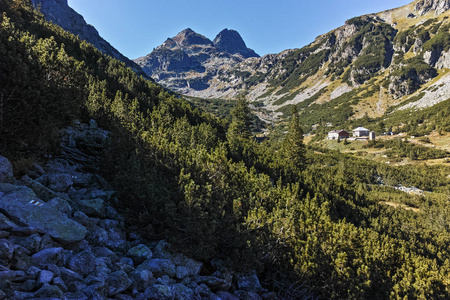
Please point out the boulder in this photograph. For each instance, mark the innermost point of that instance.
(6, 171)
(32, 243)
(47, 256)
(22, 206)
(139, 253)
(59, 183)
(183, 292)
(6, 250)
(159, 291)
(6, 223)
(45, 277)
(214, 283)
(158, 267)
(248, 282)
(41, 190)
(226, 296)
(117, 283)
(61, 205)
(92, 207)
(141, 280)
(83, 263)
(49, 291)
(75, 296)
(59, 282)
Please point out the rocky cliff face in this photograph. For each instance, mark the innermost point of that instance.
(187, 62)
(59, 12)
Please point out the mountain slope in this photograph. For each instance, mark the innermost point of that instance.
(187, 62)
(371, 63)
(59, 12)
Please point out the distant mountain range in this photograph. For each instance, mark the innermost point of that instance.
(188, 61)
(364, 67)
(394, 59)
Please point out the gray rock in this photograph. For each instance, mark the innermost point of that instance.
(59, 183)
(6, 223)
(75, 296)
(25, 231)
(59, 282)
(247, 295)
(21, 259)
(182, 272)
(70, 276)
(27, 286)
(13, 276)
(76, 286)
(92, 207)
(83, 263)
(61, 205)
(54, 269)
(41, 191)
(32, 243)
(84, 220)
(2, 295)
(162, 250)
(96, 291)
(105, 252)
(6, 250)
(127, 261)
(47, 242)
(33, 272)
(4, 234)
(248, 282)
(23, 295)
(183, 292)
(158, 267)
(45, 277)
(47, 256)
(141, 280)
(214, 283)
(139, 253)
(49, 291)
(193, 267)
(19, 203)
(117, 283)
(226, 296)
(6, 171)
(113, 238)
(158, 291)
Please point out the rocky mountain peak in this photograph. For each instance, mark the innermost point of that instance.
(188, 37)
(439, 6)
(230, 41)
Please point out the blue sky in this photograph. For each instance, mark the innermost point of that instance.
(135, 27)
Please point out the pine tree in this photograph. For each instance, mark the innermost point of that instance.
(293, 147)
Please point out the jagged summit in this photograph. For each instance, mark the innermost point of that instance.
(187, 61)
(188, 37)
(230, 41)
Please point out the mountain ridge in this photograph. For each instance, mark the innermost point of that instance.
(60, 13)
(391, 48)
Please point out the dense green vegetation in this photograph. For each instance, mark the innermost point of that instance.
(293, 214)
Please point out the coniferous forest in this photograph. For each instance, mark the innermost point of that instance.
(310, 221)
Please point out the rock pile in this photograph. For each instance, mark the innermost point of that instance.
(60, 238)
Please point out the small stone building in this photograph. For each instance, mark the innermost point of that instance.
(361, 132)
(338, 134)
